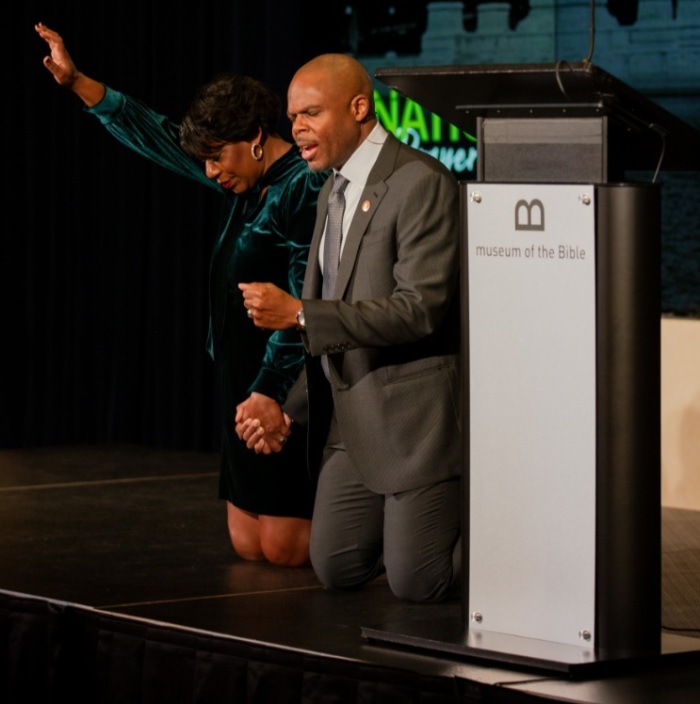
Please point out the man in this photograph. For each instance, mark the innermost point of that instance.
(388, 494)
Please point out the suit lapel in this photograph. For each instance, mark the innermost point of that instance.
(371, 197)
(312, 276)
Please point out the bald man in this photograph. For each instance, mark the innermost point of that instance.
(382, 373)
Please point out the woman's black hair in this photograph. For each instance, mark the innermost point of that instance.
(229, 108)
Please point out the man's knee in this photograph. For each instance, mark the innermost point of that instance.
(413, 579)
(420, 588)
(343, 570)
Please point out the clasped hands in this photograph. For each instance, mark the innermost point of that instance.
(260, 421)
(262, 424)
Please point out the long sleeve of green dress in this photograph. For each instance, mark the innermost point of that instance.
(265, 236)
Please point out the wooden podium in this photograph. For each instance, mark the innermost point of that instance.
(560, 364)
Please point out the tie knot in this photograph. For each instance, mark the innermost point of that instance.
(339, 183)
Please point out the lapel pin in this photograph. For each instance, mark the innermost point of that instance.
(365, 205)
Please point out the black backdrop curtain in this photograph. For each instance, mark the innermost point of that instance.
(105, 257)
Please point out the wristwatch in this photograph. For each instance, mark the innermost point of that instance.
(301, 323)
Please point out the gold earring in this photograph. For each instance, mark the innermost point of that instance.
(256, 151)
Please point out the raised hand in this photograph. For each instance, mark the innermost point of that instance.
(65, 72)
(59, 62)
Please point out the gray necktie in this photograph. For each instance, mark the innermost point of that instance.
(331, 246)
(334, 235)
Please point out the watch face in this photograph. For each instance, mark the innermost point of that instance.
(300, 319)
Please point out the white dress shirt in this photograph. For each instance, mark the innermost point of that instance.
(356, 170)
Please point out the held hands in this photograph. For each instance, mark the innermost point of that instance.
(59, 63)
(270, 307)
(261, 424)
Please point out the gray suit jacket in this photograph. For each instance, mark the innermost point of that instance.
(392, 337)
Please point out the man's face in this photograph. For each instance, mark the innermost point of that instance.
(323, 119)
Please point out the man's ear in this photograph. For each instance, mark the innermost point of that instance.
(360, 107)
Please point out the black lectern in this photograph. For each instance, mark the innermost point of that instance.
(561, 366)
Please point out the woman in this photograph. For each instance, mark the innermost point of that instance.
(269, 210)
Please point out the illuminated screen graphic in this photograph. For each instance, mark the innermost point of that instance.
(416, 126)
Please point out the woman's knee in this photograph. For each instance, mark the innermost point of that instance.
(285, 541)
(286, 553)
(244, 534)
(245, 547)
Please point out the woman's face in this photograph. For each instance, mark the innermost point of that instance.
(234, 167)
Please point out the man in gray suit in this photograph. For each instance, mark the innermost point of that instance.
(382, 372)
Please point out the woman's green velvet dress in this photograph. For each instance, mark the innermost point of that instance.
(265, 237)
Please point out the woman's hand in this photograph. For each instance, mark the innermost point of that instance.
(261, 424)
(59, 62)
(65, 72)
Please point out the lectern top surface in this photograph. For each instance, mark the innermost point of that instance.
(461, 94)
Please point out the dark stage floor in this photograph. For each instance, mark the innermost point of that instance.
(132, 542)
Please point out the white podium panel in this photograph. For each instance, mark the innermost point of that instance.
(532, 411)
